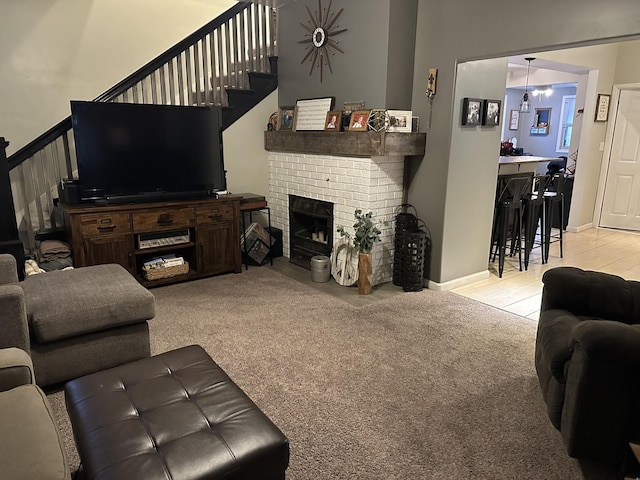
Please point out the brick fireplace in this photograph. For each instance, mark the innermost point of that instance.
(352, 170)
(371, 184)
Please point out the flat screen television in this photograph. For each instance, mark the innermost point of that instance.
(140, 152)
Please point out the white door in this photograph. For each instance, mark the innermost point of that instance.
(621, 203)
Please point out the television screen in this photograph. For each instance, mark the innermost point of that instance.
(129, 149)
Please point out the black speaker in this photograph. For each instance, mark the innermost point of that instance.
(69, 192)
(276, 248)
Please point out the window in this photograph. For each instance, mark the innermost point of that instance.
(566, 123)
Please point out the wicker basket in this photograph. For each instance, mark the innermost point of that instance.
(166, 272)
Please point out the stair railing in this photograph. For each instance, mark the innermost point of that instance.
(196, 71)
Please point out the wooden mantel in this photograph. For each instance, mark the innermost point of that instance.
(349, 144)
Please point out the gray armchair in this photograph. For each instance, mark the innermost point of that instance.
(587, 357)
(74, 322)
(30, 443)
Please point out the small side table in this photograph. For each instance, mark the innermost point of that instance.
(254, 203)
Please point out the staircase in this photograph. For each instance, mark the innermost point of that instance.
(230, 62)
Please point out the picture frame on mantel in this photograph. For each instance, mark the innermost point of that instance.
(359, 119)
(400, 120)
(286, 118)
(333, 121)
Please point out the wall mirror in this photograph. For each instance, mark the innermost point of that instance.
(541, 121)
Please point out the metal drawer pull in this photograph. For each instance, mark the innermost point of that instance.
(165, 219)
(105, 228)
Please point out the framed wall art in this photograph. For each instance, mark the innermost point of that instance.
(602, 107)
(471, 111)
(491, 113)
(514, 120)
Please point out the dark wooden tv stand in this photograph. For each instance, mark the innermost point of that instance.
(112, 234)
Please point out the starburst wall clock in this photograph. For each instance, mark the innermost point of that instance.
(321, 27)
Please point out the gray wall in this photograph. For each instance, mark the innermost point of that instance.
(377, 64)
(442, 43)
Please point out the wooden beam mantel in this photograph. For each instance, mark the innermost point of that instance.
(349, 144)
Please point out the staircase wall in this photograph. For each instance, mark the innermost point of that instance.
(246, 160)
(77, 50)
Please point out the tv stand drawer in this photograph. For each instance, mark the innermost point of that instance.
(105, 223)
(163, 219)
(214, 214)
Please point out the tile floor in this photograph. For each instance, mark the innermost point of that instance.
(606, 250)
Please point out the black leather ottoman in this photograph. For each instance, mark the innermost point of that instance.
(172, 416)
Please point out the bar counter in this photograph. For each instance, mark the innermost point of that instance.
(522, 163)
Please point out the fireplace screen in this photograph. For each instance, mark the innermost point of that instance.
(310, 229)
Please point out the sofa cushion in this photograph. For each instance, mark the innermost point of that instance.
(30, 446)
(64, 304)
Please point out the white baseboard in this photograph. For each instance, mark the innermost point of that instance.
(580, 228)
(458, 282)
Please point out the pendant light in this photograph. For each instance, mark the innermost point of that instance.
(525, 104)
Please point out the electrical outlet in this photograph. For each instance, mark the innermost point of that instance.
(602, 146)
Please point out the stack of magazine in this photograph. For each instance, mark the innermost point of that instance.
(255, 242)
(165, 261)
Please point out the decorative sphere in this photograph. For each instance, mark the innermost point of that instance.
(378, 120)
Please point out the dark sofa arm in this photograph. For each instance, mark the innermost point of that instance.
(602, 387)
(608, 341)
(591, 294)
(16, 368)
(13, 318)
(8, 271)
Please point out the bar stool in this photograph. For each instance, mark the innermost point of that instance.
(508, 212)
(553, 200)
(534, 217)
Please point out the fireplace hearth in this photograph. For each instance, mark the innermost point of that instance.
(311, 229)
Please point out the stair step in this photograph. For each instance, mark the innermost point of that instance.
(265, 82)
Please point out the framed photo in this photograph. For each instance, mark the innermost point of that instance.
(285, 118)
(333, 122)
(602, 107)
(359, 119)
(471, 111)
(400, 120)
(353, 106)
(491, 112)
(311, 113)
(514, 120)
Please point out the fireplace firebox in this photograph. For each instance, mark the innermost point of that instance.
(310, 229)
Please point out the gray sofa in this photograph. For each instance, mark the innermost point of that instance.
(74, 322)
(587, 357)
(31, 446)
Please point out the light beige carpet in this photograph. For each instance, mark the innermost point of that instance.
(422, 385)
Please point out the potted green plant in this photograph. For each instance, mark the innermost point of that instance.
(366, 234)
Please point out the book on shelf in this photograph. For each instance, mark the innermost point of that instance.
(163, 262)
